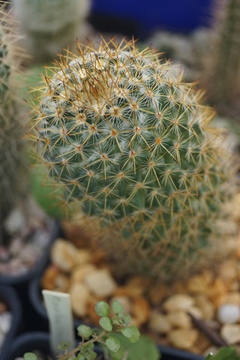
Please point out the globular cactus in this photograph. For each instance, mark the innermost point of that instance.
(129, 142)
(10, 127)
(50, 25)
(222, 63)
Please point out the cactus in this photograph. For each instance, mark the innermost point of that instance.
(130, 144)
(222, 65)
(50, 25)
(10, 127)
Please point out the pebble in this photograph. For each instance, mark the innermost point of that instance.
(139, 284)
(217, 291)
(15, 221)
(198, 284)
(228, 271)
(183, 338)
(228, 313)
(231, 333)
(125, 302)
(179, 318)
(128, 291)
(202, 342)
(178, 301)
(205, 306)
(159, 322)
(5, 322)
(63, 255)
(61, 283)
(140, 309)
(100, 282)
(80, 296)
(83, 256)
(196, 312)
(79, 272)
(157, 293)
(48, 279)
(232, 298)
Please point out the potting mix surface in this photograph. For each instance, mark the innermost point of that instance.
(188, 315)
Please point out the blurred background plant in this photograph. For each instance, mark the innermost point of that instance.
(222, 62)
(49, 26)
(13, 178)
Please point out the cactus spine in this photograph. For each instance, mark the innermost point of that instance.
(223, 63)
(50, 25)
(130, 143)
(10, 127)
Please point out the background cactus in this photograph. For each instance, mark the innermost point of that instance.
(130, 143)
(222, 63)
(11, 163)
(50, 25)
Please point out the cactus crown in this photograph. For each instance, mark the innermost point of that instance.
(128, 141)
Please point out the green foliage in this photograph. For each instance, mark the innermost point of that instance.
(30, 356)
(144, 349)
(131, 147)
(102, 308)
(225, 353)
(84, 350)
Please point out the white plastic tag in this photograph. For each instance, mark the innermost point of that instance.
(58, 306)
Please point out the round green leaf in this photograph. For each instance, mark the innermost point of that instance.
(84, 331)
(126, 319)
(106, 323)
(30, 356)
(117, 355)
(102, 308)
(92, 355)
(135, 334)
(117, 307)
(127, 332)
(113, 344)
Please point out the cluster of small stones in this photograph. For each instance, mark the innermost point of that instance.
(161, 311)
(5, 322)
(29, 235)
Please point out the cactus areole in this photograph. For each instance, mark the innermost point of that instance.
(129, 142)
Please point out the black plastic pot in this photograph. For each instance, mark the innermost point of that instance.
(9, 296)
(168, 353)
(22, 280)
(40, 341)
(21, 283)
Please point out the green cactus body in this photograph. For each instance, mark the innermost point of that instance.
(50, 25)
(10, 127)
(129, 143)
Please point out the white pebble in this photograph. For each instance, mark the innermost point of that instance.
(5, 322)
(2, 339)
(228, 314)
(15, 221)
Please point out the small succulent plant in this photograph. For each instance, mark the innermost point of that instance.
(85, 349)
(131, 145)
